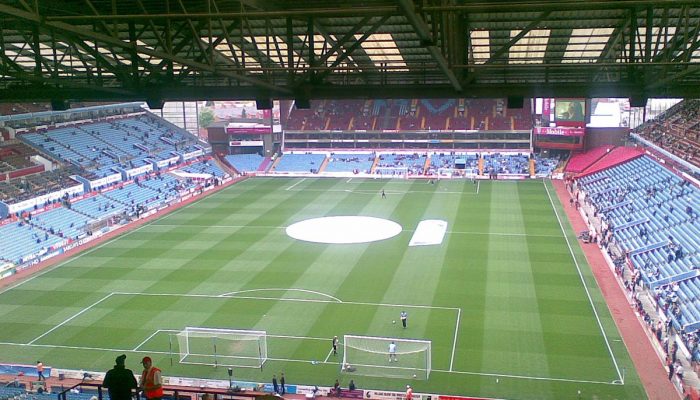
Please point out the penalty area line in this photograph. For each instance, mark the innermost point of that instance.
(328, 356)
(147, 339)
(454, 342)
(292, 187)
(67, 320)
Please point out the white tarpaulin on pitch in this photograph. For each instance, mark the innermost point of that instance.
(429, 232)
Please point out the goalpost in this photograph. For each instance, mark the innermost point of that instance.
(369, 355)
(222, 347)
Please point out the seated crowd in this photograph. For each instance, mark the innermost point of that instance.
(676, 130)
(649, 217)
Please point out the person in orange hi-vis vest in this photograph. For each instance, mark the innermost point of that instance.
(409, 392)
(151, 380)
(40, 371)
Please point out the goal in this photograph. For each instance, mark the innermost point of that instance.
(222, 347)
(369, 356)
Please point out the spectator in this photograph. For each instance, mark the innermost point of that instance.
(120, 381)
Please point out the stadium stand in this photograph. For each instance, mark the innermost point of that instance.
(294, 162)
(245, 162)
(506, 163)
(350, 162)
(388, 164)
(30, 186)
(100, 147)
(204, 167)
(98, 207)
(612, 158)
(409, 114)
(580, 161)
(677, 130)
(545, 166)
(20, 240)
(14, 156)
(62, 222)
(651, 214)
(440, 161)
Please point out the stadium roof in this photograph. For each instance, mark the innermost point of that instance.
(246, 49)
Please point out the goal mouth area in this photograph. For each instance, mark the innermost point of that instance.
(387, 371)
(386, 357)
(221, 361)
(222, 347)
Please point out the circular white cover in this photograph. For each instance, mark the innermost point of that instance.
(344, 229)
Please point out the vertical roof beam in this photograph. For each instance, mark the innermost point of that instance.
(427, 39)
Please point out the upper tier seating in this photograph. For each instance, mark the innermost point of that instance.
(30, 186)
(677, 130)
(409, 114)
(245, 162)
(300, 163)
(99, 147)
(15, 156)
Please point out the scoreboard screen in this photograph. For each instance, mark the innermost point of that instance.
(570, 112)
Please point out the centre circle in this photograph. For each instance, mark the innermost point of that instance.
(344, 229)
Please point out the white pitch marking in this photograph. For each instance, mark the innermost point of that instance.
(147, 339)
(67, 320)
(537, 378)
(405, 230)
(84, 253)
(454, 342)
(348, 181)
(292, 187)
(282, 290)
(501, 234)
(478, 184)
(218, 296)
(583, 282)
(388, 191)
(328, 356)
(103, 349)
(118, 236)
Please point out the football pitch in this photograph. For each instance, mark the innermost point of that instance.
(506, 299)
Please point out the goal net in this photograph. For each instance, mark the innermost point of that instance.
(222, 347)
(371, 356)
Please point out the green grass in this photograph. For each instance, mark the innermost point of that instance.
(527, 327)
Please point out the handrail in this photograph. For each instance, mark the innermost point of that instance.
(174, 392)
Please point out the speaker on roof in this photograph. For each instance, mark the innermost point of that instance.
(263, 104)
(155, 103)
(515, 102)
(638, 101)
(302, 103)
(59, 105)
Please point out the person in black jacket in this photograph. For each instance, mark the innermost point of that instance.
(120, 381)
